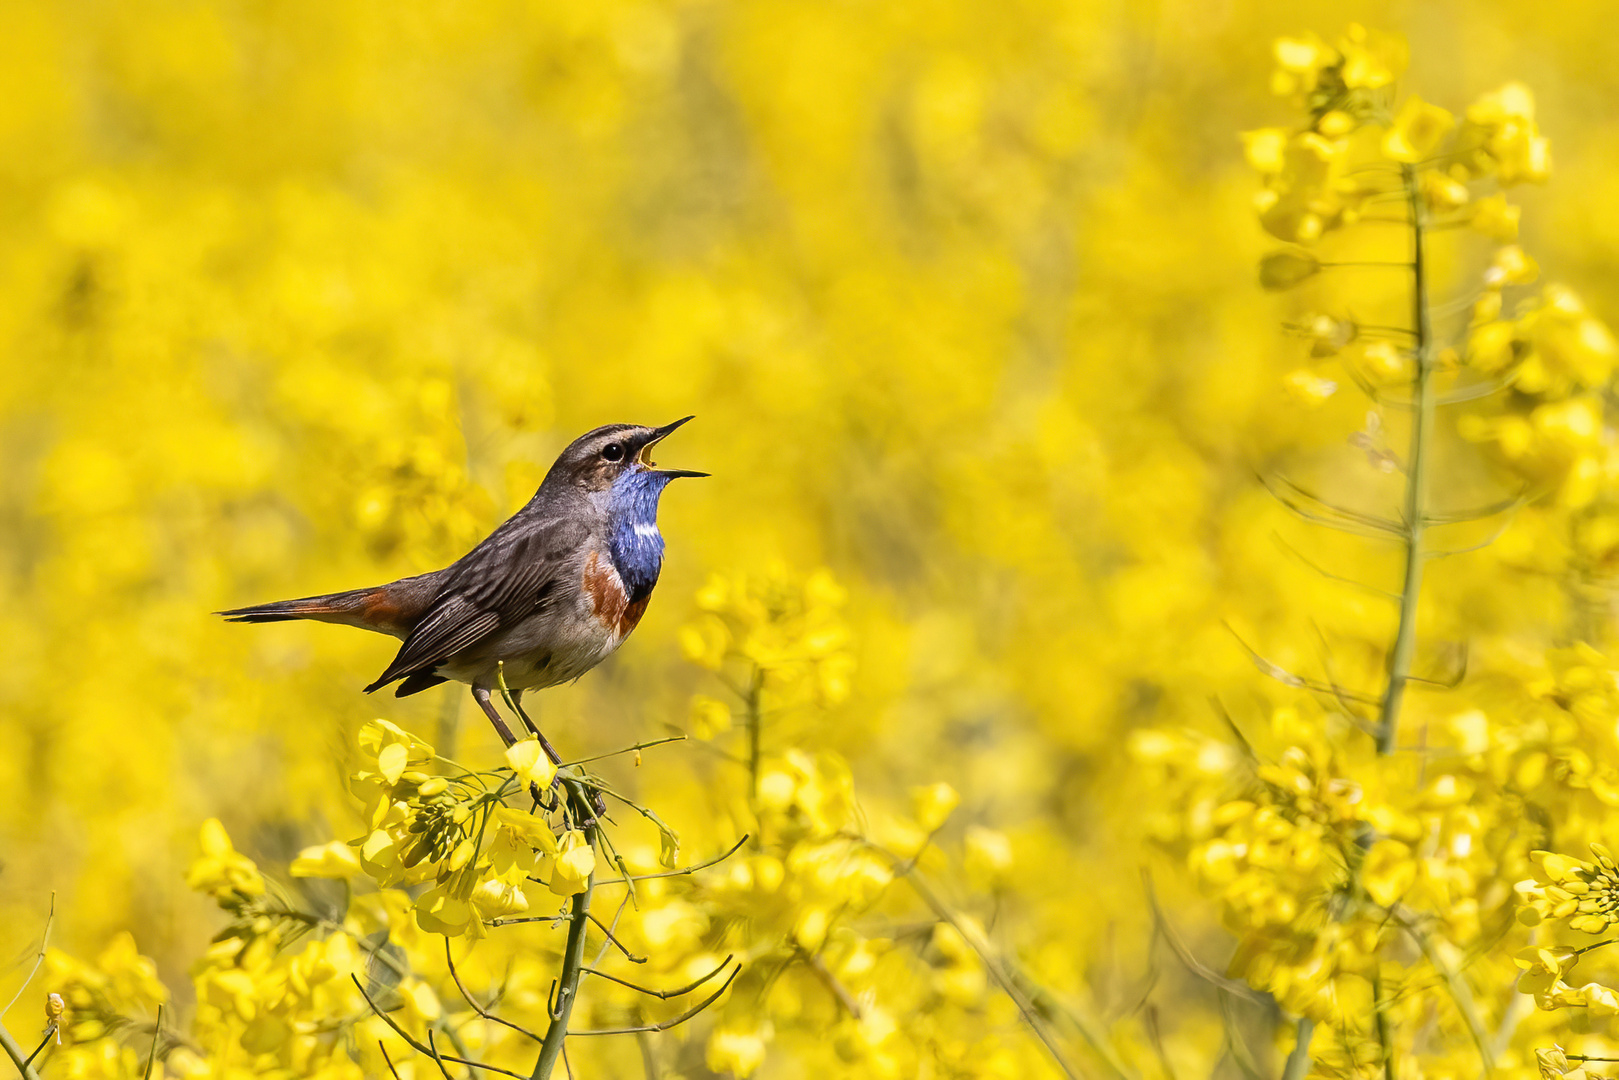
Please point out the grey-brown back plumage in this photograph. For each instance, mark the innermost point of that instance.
(512, 575)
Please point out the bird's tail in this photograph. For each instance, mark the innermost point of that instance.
(369, 609)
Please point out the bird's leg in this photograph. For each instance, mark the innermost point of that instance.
(481, 696)
(598, 803)
(517, 703)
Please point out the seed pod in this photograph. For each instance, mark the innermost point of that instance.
(415, 853)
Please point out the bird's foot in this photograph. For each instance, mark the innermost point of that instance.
(588, 805)
(544, 800)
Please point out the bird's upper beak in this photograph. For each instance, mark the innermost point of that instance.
(658, 435)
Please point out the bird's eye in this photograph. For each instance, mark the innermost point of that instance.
(613, 452)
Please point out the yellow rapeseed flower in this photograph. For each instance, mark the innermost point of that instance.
(573, 864)
(333, 859)
(1388, 872)
(220, 870)
(987, 856)
(1510, 266)
(1496, 218)
(932, 804)
(709, 717)
(1417, 131)
(1371, 59)
(737, 1050)
(1309, 387)
(529, 761)
(1266, 149)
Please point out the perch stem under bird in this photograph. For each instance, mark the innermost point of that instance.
(544, 598)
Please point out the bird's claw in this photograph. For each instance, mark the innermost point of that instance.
(544, 800)
(591, 813)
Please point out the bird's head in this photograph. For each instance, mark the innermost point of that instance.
(599, 459)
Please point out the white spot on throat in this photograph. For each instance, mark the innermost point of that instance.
(647, 531)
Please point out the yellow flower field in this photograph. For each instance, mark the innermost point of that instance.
(1151, 616)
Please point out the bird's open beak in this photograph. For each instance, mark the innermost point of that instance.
(658, 435)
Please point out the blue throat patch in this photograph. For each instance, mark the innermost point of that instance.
(633, 539)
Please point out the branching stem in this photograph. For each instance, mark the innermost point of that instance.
(1005, 978)
(1416, 520)
(573, 967)
(44, 947)
(1461, 994)
(157, 1033)
(14, 1051)
(1416, 482)
(449, 959)
(679, 871)
(415, 1044)
(830, 981)
(1380, 1024)
(1298, 1062)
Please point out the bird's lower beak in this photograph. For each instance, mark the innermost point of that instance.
(658, 435)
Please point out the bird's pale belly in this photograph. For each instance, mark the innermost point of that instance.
(541, 651)
(554, 645)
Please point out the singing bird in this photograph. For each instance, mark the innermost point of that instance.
(546, 597)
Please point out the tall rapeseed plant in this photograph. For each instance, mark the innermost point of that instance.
(1365, 862)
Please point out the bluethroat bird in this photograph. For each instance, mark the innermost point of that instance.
(546, 597)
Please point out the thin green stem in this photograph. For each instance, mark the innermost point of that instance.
(679, 871)
(1416, 483)
(421, 1047)
(157, 1033)
(1461, 993)
(44, 947)
(15, 1053)
(627, 750)
(1298, 1062)
(1006, 977)
(1403, 652)
(1380, 1023)
(50, 1033)
(573, 963)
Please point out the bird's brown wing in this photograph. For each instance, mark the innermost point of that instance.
(500, 582)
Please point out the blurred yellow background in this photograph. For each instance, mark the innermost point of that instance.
(305, 296)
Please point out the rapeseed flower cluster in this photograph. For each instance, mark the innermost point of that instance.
(1580, 896)
(1360, 841)
(803, 899)
(456, 832)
